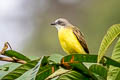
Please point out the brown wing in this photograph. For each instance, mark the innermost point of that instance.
(81, 39)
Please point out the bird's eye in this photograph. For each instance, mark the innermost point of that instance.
(59, 22)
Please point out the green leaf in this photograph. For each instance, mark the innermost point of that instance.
(11, 67)
(45, 71)
(108, 61)
(81, 58)
(56, 58)
(90, 59)
(33, 57)
(77, 66)
(20, 70)
(24, 68)
(31, 74)
(99, 70)
(98, 77)
(109, 37)
(80, 67)
(45, 61)
(114, 72)
(73, 75)
(12, 53)
(57, 73)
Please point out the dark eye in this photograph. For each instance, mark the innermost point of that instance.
(61, 23)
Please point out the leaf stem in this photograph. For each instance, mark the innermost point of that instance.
(8, 59)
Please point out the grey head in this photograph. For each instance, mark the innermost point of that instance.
(60, 23)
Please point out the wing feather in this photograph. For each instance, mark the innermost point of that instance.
(80, 38)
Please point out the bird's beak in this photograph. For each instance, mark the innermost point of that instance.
(53, 23)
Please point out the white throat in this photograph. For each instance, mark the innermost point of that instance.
(59, 27)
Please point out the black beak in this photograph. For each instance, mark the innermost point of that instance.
(53, 23)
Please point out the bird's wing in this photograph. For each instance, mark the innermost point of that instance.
(81, 39)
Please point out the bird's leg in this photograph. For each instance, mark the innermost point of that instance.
(72, 59)
(66, 64)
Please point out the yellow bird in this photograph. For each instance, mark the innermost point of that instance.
(70, 37)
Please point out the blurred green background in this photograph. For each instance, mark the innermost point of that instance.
(25, 24)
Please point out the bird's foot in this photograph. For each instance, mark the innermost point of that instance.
(67, 64)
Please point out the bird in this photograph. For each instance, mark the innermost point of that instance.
(71, 39)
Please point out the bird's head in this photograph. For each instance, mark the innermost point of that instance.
(61, 23)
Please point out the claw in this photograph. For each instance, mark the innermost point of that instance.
(65, 64)
(72, 59)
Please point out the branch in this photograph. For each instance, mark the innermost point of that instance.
(8, 59)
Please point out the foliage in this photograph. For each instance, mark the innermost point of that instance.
(70, 67)
(12, 53)
(114, 72)
(109, 37)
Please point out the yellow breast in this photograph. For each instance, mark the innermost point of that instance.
(69, 42)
